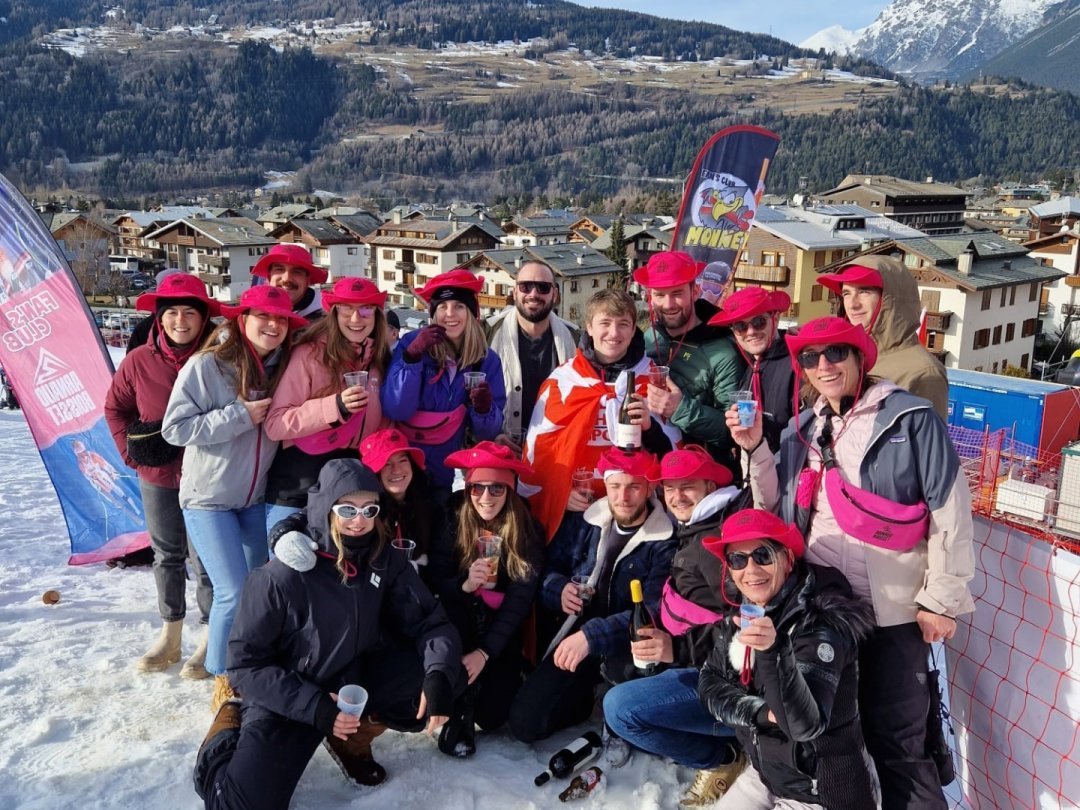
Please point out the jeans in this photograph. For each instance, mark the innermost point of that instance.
(552, 699)
(231, 543)
(663, 715)
(169, 541)
(276, 512)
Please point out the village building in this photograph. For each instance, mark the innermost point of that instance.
(933, 208)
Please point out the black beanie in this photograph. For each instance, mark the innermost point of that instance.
(163, 304)
(467, 297)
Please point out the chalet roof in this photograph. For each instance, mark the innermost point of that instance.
(630, 233)
(359, 224)
(55, 222)
(896, 186)
(486, 223)
(1063, 206)
(818, 228)
(165, 213)
(541, 226)
(569, 260)
(321, 231)
(1052, 239)
(283, 213)
(226, 232)
(997, 261)
(434, 234)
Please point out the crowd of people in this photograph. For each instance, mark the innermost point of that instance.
(461, 522)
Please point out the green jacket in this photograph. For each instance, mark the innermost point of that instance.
(707, 368)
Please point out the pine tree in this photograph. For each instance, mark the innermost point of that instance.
(617, 254)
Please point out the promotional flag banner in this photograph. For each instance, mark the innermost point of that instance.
(722, 195)
(57, 363)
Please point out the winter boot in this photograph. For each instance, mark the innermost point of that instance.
(458, 737)
(166, 650)
(220, 741)
(194, 669)
(354, 755)
(710, 785)
(223, 692)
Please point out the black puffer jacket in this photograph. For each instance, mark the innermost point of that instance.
(298, 636)
(809, 680)
(777, 381)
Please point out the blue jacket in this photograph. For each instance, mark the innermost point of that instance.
(647, 556)
(412, 387)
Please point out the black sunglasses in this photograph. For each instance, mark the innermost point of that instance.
(762, 555)
(759, 322)
(836, 353)
(542, 287)
(346, 511)
(496, 490)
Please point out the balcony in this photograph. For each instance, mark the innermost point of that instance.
(1045, 309)
(405, 267)
(1070, 309)
(938, 321)
(763, 273)
(216, 279)
(1072, 281)
(212, 261)
(493, 301)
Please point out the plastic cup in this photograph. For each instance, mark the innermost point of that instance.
(582, 483)
(517, 436)
(405, 546)
(473, 379)
(747, 405)
(658, 376)
(748, 611)
(353, 378)
(489, 548)
(585, 589)
(352, 699)
(255, 394)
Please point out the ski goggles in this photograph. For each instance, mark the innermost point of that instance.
(762, 555)
(836, 353)
(346, 511)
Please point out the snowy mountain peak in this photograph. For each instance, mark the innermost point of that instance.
(834, 39)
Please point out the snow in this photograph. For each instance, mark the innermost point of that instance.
(80, 726)
(834, 39)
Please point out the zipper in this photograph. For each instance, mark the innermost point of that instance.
(255, 473)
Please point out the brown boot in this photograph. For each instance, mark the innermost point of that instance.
(710, 785)
(354, 755)
(223, 692)
(220, 741)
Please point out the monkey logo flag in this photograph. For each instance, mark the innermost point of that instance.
(722, 195)
(60, 369)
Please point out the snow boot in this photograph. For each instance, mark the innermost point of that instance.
(710, 785)
(220, 741)
(458, 735)
(223, 692)
(166, 650)
(194, 669)
(354, 755)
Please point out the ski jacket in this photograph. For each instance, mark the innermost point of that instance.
(808, 679)
(775, 386)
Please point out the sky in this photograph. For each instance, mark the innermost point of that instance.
(792, 20)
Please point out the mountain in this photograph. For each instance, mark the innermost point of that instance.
(932, 39)
(834, 39)
(1047, 56)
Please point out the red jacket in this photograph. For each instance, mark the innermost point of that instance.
(139, 392)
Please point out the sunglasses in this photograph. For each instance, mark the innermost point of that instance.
(346, 511)
(759, 322)
(364, 310)
(496, 490)
(762, 555)
(837, 353)
(542, 287)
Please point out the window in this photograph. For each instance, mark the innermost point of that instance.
(1024, 361)
(1033, 291)
(981, 339)
(574, 285)
(816, 292)
(1010, 332)
(935, 341)
(768, 259)
(819, 258)
(388, 275)
(426, 258)
(1029, 327)
(837, 255)
(997, 335)
(1001, 302)
(978, 368)
(389, 254)
(994, 368)
(351, 251)
(1012, 295)
(596, 283)
(986, 299)
(461, 258)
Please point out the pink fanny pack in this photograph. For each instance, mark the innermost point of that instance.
(335, 438)
(493, 599)
(873, 519)
(433, 427)
(678, 614)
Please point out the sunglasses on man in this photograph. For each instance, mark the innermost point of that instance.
(346, 511)
(759, 322)
(837, 353)
(762, 555)
(542, 287)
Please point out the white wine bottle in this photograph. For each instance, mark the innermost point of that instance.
(640, 618)
(627, 434)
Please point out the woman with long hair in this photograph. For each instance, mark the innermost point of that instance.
(300, 636)
(134, 408)
(488, 591)
(316, 414)
(406, 508)
(869, 475)
(216, 412)
(426, 390)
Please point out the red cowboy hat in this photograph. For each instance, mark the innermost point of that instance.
(832, 330)
(638, 463)
(376, 449)
(744, 304)
(669, 268)
(355, 291)
(176, 287)
(755, 524)
(854, 274)
(488, 456)
(692, 461)
(272, 300)
(288, 253)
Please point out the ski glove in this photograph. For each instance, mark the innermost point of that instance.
(429, 336)
(480, 397)
(296, 550)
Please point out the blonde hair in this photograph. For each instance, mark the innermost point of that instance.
(381, 535)
(473, 348)
(616, 303)
(230, 348)
(339, 355)
(512, 524)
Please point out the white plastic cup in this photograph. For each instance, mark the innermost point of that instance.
(405, 546)
(585, 589)
(352, 699)
(490, 547)
(473, 379)
(747, 405)
(354, 378)
(748, 611)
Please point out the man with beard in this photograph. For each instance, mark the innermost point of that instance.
(705, 367)
(290, 267)
(531, 340)
(622, 537)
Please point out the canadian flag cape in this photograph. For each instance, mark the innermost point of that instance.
(569, 430)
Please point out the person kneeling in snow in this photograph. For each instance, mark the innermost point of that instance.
(299, 636)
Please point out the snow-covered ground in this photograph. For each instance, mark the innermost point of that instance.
(81, 727)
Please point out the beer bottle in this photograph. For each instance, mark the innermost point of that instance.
(582, 784)
(576, 755)
(640, 618)
(627, 435)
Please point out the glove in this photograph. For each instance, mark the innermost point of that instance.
(296, 550)
(480, 397)
(429, 336)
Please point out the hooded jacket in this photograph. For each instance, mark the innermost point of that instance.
(777, 388)
(895, 330)
(814, 752)
(298, 636)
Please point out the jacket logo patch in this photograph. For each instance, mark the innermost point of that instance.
(826, 653)
(897, 439)
(376, 580)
